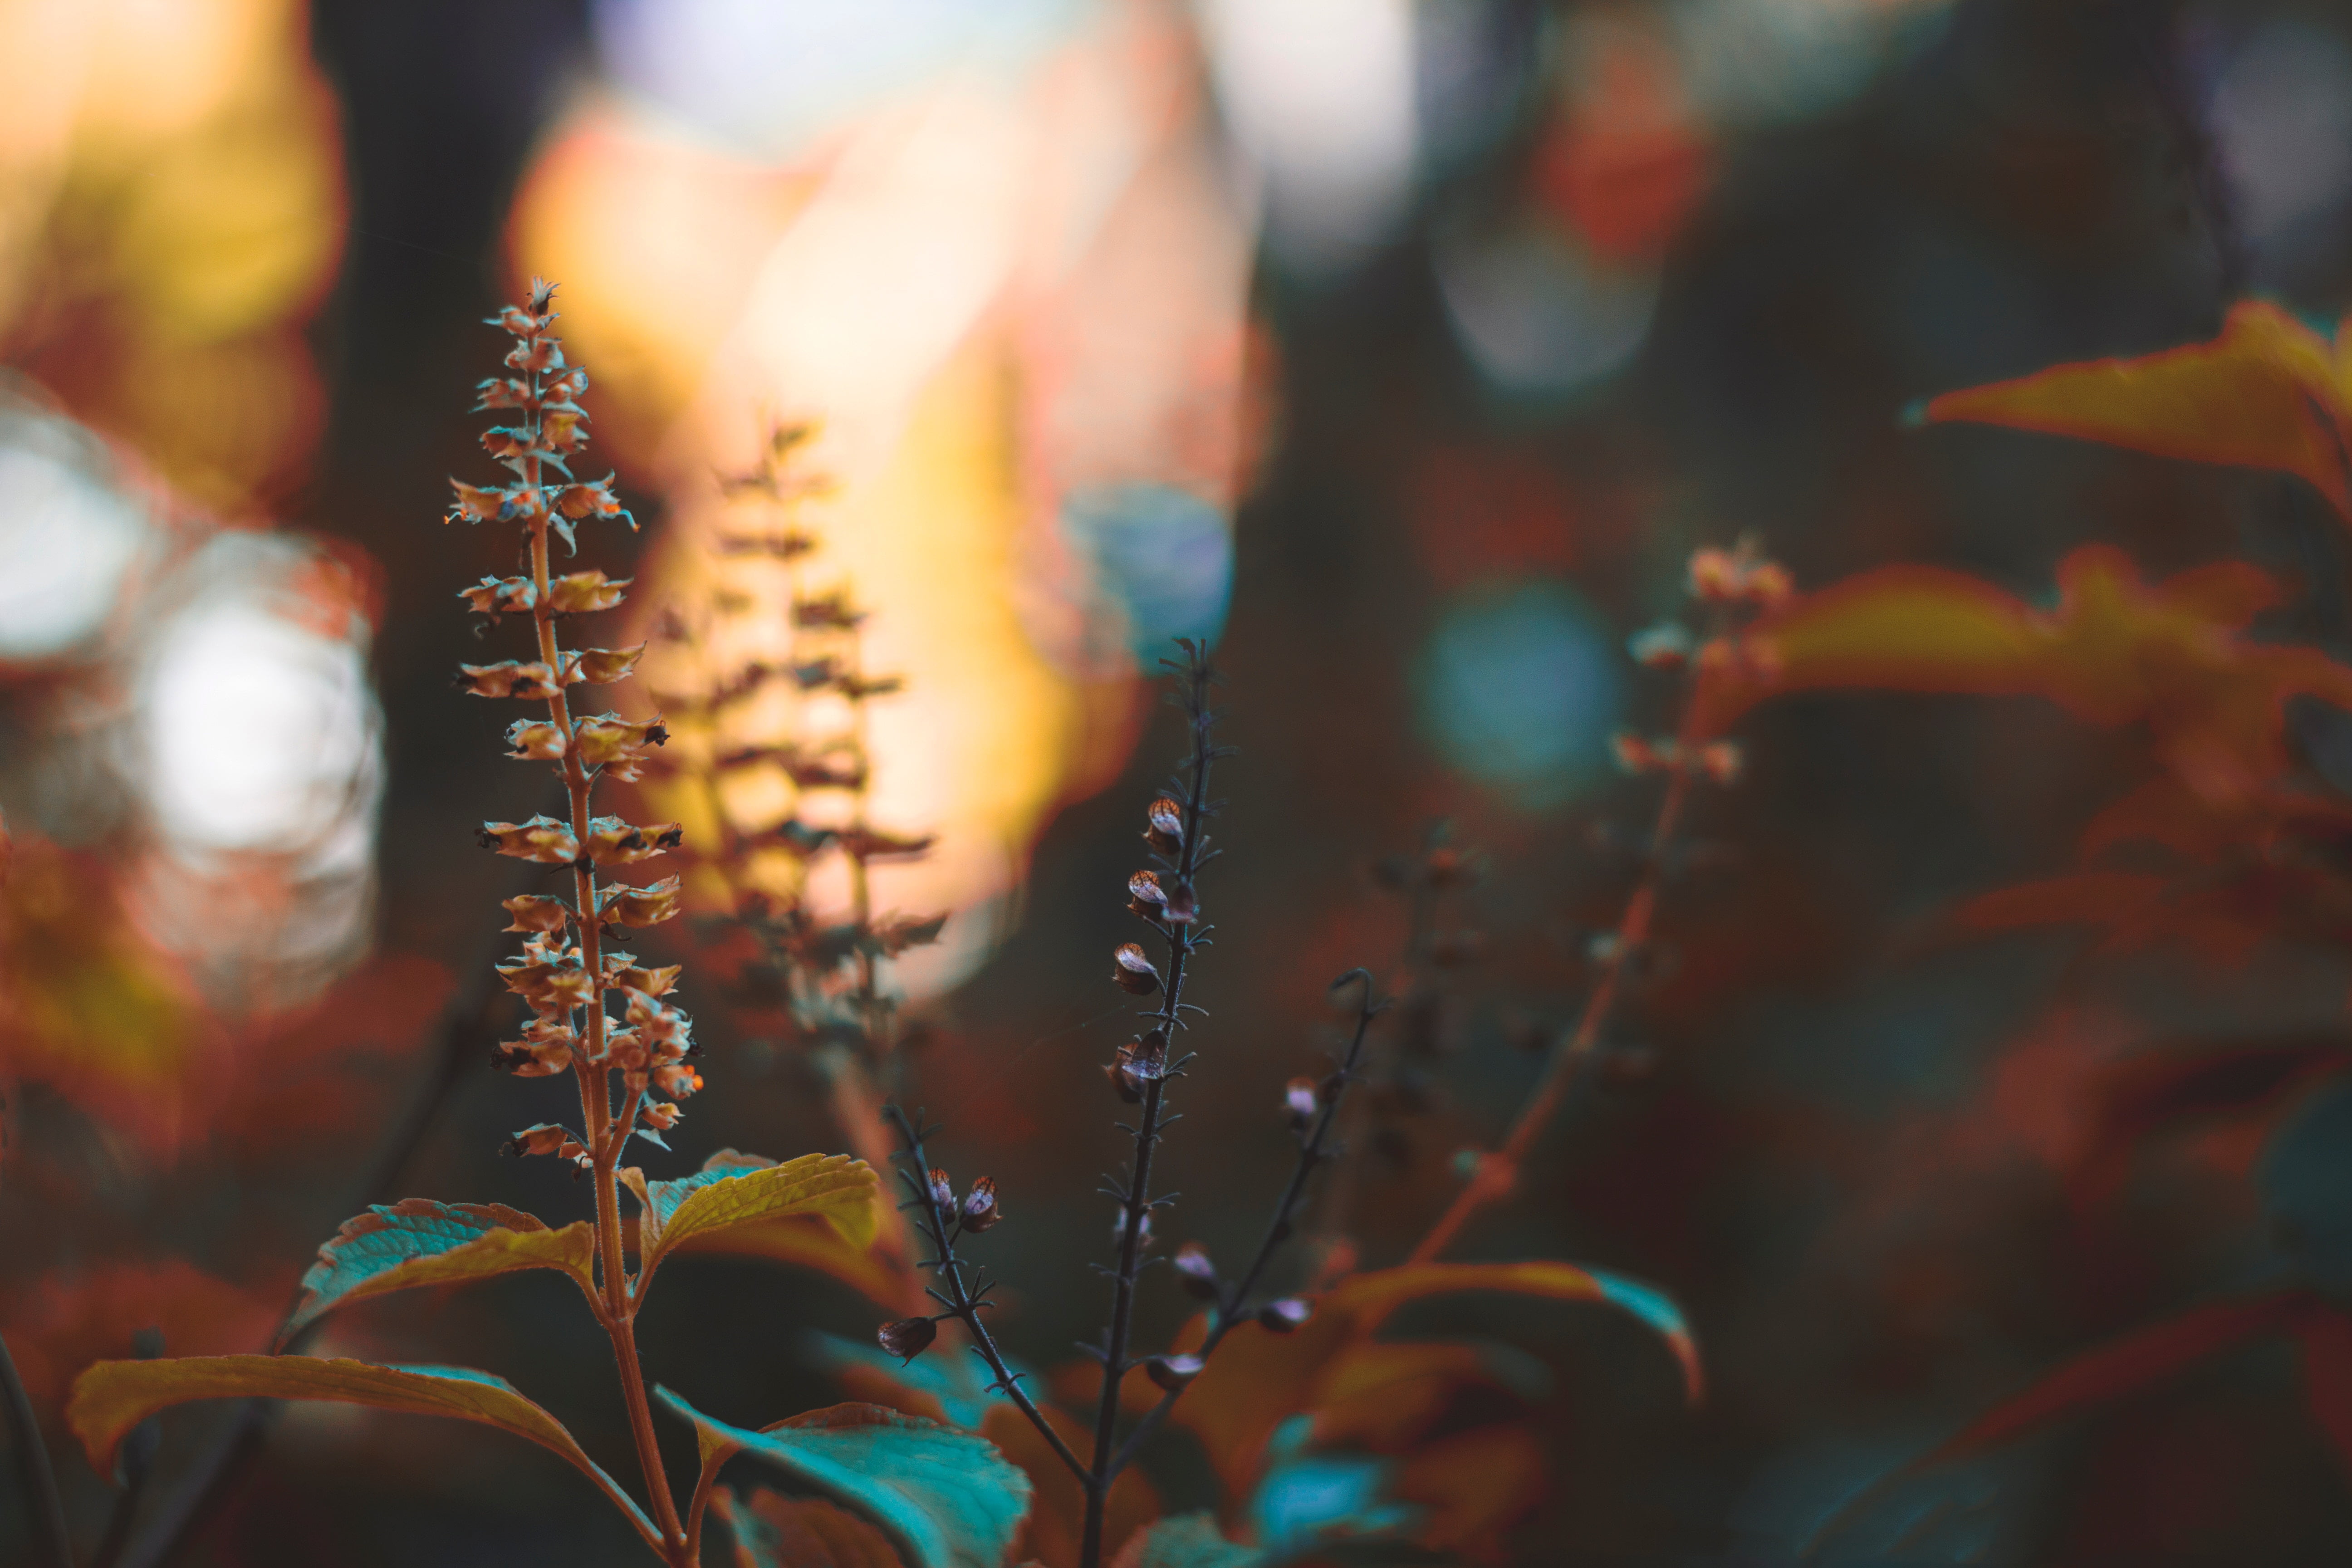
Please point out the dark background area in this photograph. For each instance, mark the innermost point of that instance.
(1831, 1162)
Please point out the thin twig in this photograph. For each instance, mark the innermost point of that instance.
(1136, 1204)
(1498, 1172)
(1234, 1298)
(961, 1304)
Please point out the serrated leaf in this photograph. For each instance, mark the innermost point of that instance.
(776, 1532)
(946, 1499)
(733, 1192)
(113, 1396)
(397, 1247)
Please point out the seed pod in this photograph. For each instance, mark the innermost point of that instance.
(979, 1210)
(1283, 1315)
(1173, 1372)
(1183, 907)
(1298, 1103)
(1144, 887)
(1195, 1273)
(1165, 831)
(1135, 973)
(908, 1338)
(942, 1190)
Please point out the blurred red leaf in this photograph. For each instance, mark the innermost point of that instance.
(2128, 1366)
(2266, 393)
(2325, 1335)
(64, 1321)
(1474, 1485)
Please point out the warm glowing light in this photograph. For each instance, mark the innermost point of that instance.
(1009, 284)
(1321, 95)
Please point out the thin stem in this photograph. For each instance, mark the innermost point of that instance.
(1497, 1172)
(42, 1502)
(1136, 1205)
(605, 1133)
(962, 1305)
(1230, 1302)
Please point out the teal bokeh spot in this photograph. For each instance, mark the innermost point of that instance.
(1163, 556)
(1519, 688)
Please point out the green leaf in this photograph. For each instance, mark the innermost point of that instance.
(113, 1396)
(733, 1191)
(418, 1241)
(946, 1499)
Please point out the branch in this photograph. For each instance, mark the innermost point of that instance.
(961, 1304)
(1232, 1298)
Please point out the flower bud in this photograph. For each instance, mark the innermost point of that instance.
(536, 912)
(1666, 645)
(1283, 1315)
(661, 1115)
(535, 740)
(542, 839)
(943, 1191)
(1166, 829)
(580, 593)
(1173, 1372)
(1140, 1063)
(1721, 761)
(1298, 1103)
(546, 1138)
(1144, 886)
(908, 1338)
(1134, 973)
(1183, 907)
(647, 906)
(1195, 1273)
(613, 842)
(979, 1210)
(676, 1079)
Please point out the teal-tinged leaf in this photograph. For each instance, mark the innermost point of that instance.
(946, 1499)
(1187, 1541)
(113, 1396)
(1655, 1308)
(776, 1531)
(964, 1396)
(1309, 1499)
(396, 1246)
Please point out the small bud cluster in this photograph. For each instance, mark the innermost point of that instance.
(955, 1218)
(1735, 585)
(566, 973)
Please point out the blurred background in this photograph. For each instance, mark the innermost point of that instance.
(1405, 349)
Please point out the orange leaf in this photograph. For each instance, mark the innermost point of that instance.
(1474, 1485)
(776, 1532)
(1057, 1510)
(2266, 393)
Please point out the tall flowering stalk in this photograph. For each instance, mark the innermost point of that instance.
(926, 1493)
(633, 1070)
(1729, 586)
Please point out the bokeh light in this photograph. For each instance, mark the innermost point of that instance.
(1519, 688)
(70, 536)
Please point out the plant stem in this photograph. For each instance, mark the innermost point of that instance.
(46, 1509)
(959, 1299)
(1230, 1302)
(1498, 1172)
(1136, 1204)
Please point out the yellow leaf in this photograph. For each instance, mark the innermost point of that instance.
(2264, 394)
(113, 1396)
(733, 1192)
